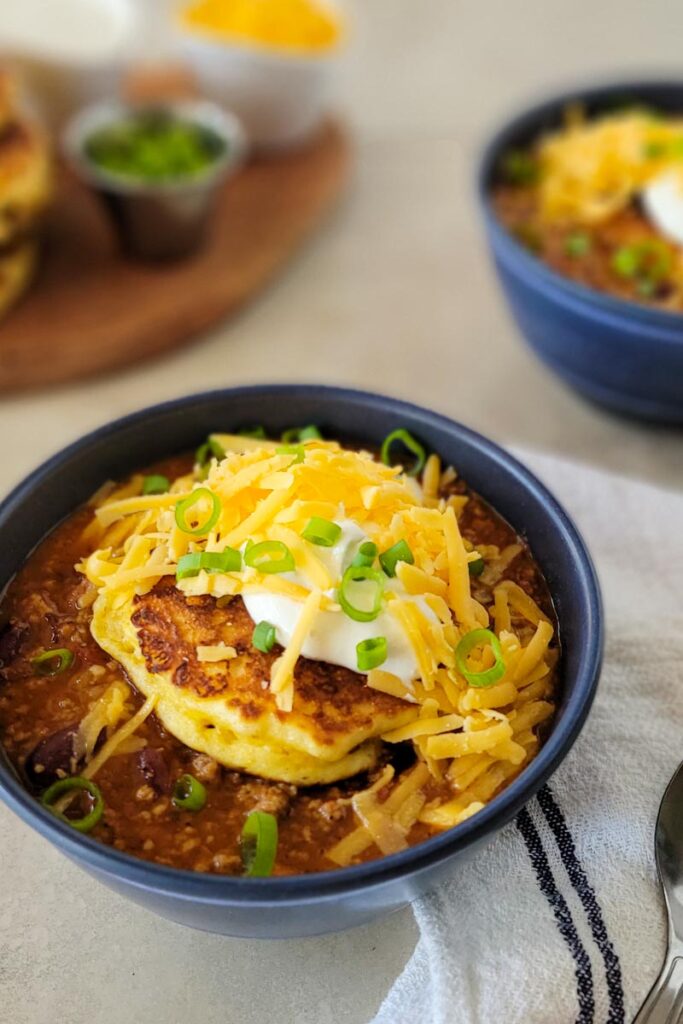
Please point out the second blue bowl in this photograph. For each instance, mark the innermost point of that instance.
(620, 354)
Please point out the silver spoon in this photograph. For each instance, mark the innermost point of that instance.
(664, 1004)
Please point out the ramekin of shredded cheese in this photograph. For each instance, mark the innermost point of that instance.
(269, 61)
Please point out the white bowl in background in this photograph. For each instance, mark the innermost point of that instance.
(280, 97)
(68, 53)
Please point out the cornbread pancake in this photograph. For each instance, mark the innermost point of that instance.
(17, 264)
(226, 709)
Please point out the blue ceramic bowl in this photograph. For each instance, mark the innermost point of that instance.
(313, 904)
(618, 353)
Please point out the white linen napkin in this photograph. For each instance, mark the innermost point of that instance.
(560, 920)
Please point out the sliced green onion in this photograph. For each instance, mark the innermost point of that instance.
(626, 261)
(476, 567)
(189, 794)
(270, 556)
(653, 150)
(577, 244)
(264, 637)
(399, 552)
(184, 506)
(519, 167)
(297, 450)
(360, 574)
(211, 449)
(366, 554)
(649, 261)
(480, 638)
(258, 432)
(322, 532)
(156, 483)
(408, 441)
(51, 663)
(371, 653)
(228, 560)
(64, 786)
(259, 844)
(309, 433)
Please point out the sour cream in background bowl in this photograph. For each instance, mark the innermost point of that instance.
(68, 52)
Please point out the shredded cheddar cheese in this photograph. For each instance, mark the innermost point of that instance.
(279, 24)
(590, 169)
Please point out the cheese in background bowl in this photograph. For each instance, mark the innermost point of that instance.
(271, 63)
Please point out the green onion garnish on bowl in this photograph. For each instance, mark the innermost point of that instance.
(360, 592)
(264, 637)
(323, 532)
(399, 552)
(307, 433)
(480, 638)
(366, 554)
(371, 653)
(404, 438)
(72, 785)
(228, 560)
(259, 844)
(270, 556)
(189, 794)
(156, 483)
(53, 662)
(577, 244)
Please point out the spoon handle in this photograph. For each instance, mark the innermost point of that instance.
(664, 1004)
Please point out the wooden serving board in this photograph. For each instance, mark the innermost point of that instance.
(91, 310)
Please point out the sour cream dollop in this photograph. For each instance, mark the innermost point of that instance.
(663, 204)
(334, 636)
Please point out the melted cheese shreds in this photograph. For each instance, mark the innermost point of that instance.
(114, 742)
(215, 652)
(283, 668)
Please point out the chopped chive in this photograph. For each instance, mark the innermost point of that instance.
(371, 653)
(53, 662)
(270, 556)
(366, 554)
(358, 582)
(71, 785)
(297, 450)
(156, 483)
(259, 844)
(228, 560)
(184, 506)
(577, 244)
(390, 558)
(189, 794)
(403, 437)
(322, 532)
(264, 637)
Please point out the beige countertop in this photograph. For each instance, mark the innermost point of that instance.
(395, 294)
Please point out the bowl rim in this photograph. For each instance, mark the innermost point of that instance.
(668, 323)
(230, 890)
(201, 112)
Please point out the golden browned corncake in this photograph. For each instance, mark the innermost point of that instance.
(25, 190)
(225, 709)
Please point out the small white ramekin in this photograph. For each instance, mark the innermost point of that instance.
(280, 97)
